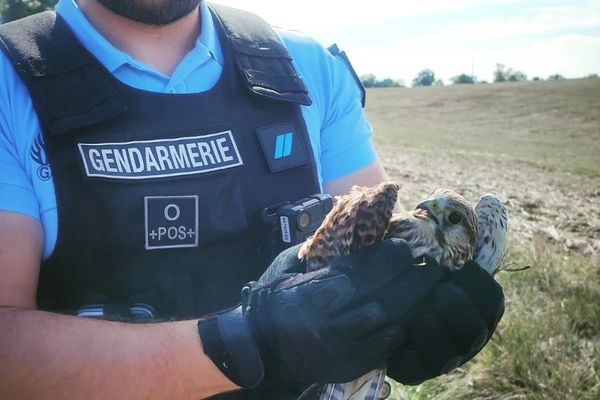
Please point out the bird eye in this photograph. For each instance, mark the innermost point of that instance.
(454, 218)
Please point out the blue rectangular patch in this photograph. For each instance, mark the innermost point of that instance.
(282, 146)
(160, 158)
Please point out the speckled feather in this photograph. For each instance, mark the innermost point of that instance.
(492, 233)
(357, 220)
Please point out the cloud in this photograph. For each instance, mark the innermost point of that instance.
(570, 55)
(398, 39)
(317, 14)
(542, 20)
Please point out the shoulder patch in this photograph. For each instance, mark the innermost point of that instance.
(282, 146)
(38, 155)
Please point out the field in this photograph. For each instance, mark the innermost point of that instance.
(537, 145)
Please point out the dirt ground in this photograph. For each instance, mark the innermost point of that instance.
(534, 144)
(564, 207)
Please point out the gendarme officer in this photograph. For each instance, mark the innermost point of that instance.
(139, 143)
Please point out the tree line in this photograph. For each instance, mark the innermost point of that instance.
(427, 77)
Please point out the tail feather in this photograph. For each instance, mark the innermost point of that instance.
(370, 386)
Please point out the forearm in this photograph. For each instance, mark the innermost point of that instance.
(368, 176)
(51, 356)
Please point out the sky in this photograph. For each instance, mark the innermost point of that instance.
(397, 39)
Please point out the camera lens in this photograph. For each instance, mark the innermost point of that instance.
(303, 220)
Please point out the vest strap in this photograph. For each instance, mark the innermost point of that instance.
(336, 52)
(261, 57)
(68, 89)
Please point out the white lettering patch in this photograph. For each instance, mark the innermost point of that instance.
(171, 221)
(160, 158)
(285, 229)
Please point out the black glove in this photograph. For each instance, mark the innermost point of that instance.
(331, 325)
(450, 327)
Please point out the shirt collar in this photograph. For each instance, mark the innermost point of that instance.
(113, 58)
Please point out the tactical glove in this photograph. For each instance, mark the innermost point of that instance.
(331, 325)
(450, 326)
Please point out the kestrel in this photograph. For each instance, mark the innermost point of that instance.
(444, 226)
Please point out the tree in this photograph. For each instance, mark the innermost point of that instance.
(503, 73)
(499, 73)
(463, 79)
(556, 77)
(387, 82)
(371, 81)
(517, 76)
(15, 9)
(368, 80)
(424, 78)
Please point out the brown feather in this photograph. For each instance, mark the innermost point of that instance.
(358, 219)
(364, 216)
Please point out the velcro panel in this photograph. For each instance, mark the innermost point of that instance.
(278, 83)
(260, 49)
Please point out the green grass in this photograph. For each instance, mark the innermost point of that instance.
(554, 125)
(548, 344)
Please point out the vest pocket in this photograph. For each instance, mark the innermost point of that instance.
(221, 209)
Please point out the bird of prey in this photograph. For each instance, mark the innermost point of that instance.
(444, 226)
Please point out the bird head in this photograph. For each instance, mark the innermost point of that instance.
(452, 219)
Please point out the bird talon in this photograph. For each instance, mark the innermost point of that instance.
(421, 264)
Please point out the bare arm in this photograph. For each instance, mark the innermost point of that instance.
(51, 356)
(368, 176)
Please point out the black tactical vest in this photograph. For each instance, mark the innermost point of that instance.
(159, 196)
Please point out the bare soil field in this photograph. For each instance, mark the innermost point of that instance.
(536, 145)
(563, 206)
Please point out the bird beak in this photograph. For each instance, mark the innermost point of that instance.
(428, 209)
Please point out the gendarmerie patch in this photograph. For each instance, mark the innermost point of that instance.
(171, 221)
(160, 158)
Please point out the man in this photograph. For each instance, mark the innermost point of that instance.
(133, 173)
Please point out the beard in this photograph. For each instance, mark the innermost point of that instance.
(151, 12)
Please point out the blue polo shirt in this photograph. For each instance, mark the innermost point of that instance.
(339, 132)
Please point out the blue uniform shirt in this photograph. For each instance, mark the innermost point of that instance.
(339, 132)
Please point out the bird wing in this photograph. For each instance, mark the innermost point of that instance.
(492, 232)
(357, 220)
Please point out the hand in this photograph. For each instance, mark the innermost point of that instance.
(331, 325)
(450, 327)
